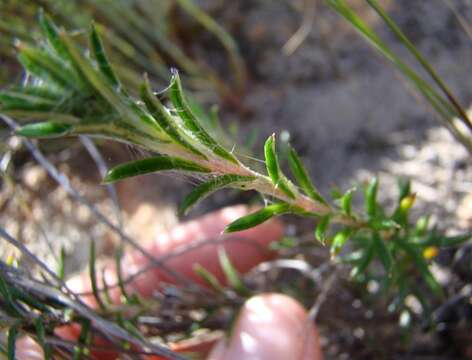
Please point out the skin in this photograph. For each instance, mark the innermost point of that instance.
(269, 326)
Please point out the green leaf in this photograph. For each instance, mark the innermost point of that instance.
(150, 165)
(84, 338)
(444, 241)
(364, 261)
(102, 60)
(60, 272)
(383, 224)
(52, 34)
(422, 225)
(93, 275)
(339, 240)
(19, 100)
(209, 187)
(165, 120)
(371, 197)
(44, 130)
(301, 174)
(191, 122)
(7, 297)
(251, 220)
(273, 168)
(124, 293)
(232, 275)
(11, 342)
(208, 277)
(404, 189)
(320, 232)
(41, 337)
(384, 253)
(47, 67)
(346, 202)
(422, 266)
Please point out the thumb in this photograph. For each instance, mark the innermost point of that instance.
(270, 326)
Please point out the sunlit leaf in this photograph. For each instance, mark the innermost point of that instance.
(339, 241)
(102, 60)
(150, 165)
(44, 130)
(165, 120)
(232, 275)
(273, 168)
(209, 187)
(251, 220)
(371, 197)
(321, 227)
(301, 174)
(191, 122)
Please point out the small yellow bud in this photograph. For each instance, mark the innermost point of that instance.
(430, 252)
(407, 202)
(11, 261)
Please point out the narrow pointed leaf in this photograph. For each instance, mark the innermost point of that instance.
(321, 227)
(383, 252)
(191, 122)
(165, 120)
(254, 219)
(371, 197)
(364, 261)
(41, 337)
(422, 266)
(44, 130)
(273, 168)
(232, 275)
(301, 174)
(208, 277)
(404, 189)
(13, 100)
(339, 240)
(11, 343)
(346, 202)
(102, 60)
(422, 225)
(52, 34)
(93, 275)
(47, 67)
(150, 165)
(209, 187)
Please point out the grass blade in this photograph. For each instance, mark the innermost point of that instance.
(11, 342)
(232, 275)
(93, 275)
(422, 60)
(208, 277)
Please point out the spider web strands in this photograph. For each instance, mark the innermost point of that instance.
(95, 154)
(62, 180)
(106, 327)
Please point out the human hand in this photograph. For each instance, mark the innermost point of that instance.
(269, 326)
